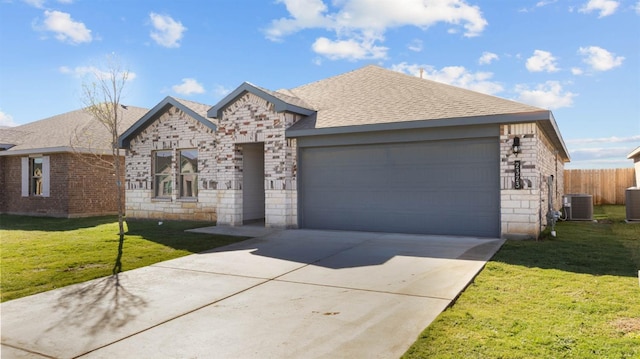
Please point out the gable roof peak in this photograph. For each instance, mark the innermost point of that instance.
(197, 111)
(283, 102)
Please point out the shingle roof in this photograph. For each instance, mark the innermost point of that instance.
(374, 95)
(199, 108)
(55, 133)
(374, 98)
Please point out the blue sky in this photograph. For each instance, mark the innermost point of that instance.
(578, 58)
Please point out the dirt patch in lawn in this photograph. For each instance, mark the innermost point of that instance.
(627, 325)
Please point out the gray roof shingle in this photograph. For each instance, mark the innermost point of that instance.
(374, 95)
(56, 132)
(197, 107)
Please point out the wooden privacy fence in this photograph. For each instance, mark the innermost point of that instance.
(607, 186)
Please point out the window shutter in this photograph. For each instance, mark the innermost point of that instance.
(25, 176)
(45, 176)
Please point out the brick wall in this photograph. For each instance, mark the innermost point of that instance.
(251, 119)
(56, 205)
(91, 185)
(3, 187)
(77, 189)
(173, 130)
(523, 211)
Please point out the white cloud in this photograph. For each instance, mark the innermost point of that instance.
(6, 120)
(35, 3)
(348, 49)
(305, 14)
(220, 91)
(545, 3)
(415, 45)
(576, 71)
(360, 25)
(542, 3)
(604, 7)
(188, 86)
(82, 71)
(636, 7)
(549, 95)
(600, 59)
(453, 75)
(65, 28)
(40, 3)
(598, 158)
(612, 139)
(601, 153)
(168, 32)
(541, 61)
(487, 58)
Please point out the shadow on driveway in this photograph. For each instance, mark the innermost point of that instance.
(319, 248)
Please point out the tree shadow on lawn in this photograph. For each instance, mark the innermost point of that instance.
(172, 234)
(580, 247)
(32, 223)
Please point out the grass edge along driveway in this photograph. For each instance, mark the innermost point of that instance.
(38, 254)
(574, 296)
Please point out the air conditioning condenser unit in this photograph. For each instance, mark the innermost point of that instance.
(632, 202)
(578, 207)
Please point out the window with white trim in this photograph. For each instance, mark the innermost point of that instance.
(35, 176)
(35, 171)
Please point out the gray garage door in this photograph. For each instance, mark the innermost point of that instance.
(433, 187)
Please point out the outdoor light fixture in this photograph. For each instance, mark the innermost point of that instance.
(516, 146)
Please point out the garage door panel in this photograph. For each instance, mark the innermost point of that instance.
(439, 187)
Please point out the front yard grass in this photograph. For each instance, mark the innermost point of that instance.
(574, 296)
(39, 254)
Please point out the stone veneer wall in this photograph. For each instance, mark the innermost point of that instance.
(173, 130)
(550, 165)
(251, 119)
(524, 211)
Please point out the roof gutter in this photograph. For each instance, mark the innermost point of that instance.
(523, 117)
(61, 149)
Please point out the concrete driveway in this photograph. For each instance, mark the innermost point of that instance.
(289, 294)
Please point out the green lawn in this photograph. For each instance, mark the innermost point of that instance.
(574, 296)
(39, 254)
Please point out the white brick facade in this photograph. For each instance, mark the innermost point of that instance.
(248, 120)
(524, 211)
(251, 119)
(173, 130)
(247, 145)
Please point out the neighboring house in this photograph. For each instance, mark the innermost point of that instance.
(369, 150)
(635, 156)
(49, 167)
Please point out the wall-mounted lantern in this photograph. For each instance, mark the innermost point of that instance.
(516, 146)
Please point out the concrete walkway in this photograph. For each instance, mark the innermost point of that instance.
(288, 294)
